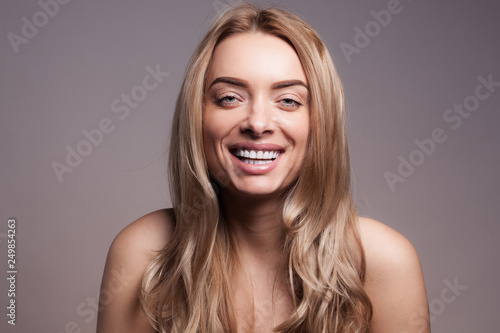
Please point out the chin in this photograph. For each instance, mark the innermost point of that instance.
(257, 189)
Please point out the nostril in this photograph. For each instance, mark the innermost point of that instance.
(256, 131)
(257, 123)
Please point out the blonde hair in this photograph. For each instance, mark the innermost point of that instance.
(187, 287)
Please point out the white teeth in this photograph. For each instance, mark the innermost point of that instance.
(257, 162)
(257, 156)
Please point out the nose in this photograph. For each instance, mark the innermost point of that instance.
(259, 119)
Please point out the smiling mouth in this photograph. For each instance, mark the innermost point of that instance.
(256, 157)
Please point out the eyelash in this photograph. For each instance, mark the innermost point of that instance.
(223, 101)
(297, 104)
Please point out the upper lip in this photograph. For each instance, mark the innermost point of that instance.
(256, 146)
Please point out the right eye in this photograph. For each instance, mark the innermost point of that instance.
(227, 100)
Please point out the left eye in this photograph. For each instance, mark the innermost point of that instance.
(290, 103)
(228, 99)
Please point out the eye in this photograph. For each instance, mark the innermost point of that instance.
(227, 100)
(290, 104)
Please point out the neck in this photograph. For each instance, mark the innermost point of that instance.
(256, 226)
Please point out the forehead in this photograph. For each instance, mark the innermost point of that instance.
(256, 57)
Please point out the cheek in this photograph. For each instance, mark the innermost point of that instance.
(303, 127)
(303, 131)
(214, 131)
(301, 136)
(218, 125)
(298, 130)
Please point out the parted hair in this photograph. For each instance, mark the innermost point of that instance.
(187, 287)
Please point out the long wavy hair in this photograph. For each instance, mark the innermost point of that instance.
(187, 287)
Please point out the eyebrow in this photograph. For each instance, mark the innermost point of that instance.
(244, 84)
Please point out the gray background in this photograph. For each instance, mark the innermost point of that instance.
(65, 78)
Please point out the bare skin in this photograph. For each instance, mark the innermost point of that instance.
(131, 251)
(253, 107)
(394, 280)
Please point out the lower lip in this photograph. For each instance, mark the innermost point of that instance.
(256, 169)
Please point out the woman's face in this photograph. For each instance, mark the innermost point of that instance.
(256, 114)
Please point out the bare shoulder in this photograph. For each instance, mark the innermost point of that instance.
(140, 241)
(128, 258)
(394, 279)
(148, 234)
(385, 246)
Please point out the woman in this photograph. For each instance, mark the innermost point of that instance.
(264, 234)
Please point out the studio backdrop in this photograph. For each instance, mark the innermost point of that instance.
(87, 93)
